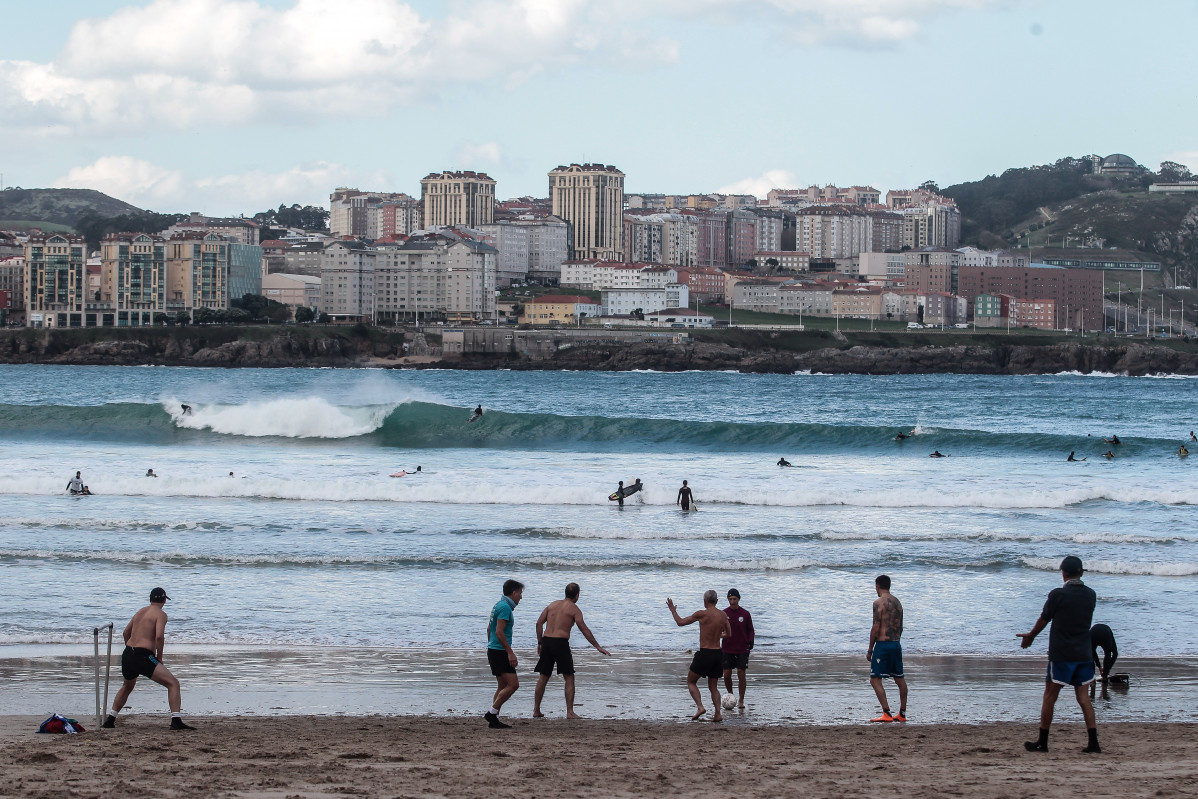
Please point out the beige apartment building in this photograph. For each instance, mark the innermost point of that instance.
(457, 199)
(362, 213)
(55, 280)
(590, 198)
(197, 271)
(133, 277)
(298, 291)
(347, 281)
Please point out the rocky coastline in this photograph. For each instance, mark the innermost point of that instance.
(344, 347)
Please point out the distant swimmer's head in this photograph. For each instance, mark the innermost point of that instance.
(572, 591)
(1071, 567)
(158, 595)
(710, 597)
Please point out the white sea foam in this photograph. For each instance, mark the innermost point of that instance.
(1177, 569)
(304, 417)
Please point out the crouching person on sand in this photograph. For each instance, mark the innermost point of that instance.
(145, 635)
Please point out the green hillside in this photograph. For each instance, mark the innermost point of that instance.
(1062, 207)
(59, 206)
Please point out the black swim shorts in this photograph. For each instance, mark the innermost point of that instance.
(736, 660)
(708, 663)
(499, 662)
(137, 662)
(555, 651)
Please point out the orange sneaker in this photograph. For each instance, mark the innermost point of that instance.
(885, 717)
(899, 716)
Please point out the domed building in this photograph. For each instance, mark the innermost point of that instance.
(1118, 164)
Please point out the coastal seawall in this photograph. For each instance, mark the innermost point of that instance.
(547, 350)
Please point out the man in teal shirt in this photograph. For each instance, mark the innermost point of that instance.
(500, 654)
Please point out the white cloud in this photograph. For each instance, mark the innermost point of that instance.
(130, 179)
(156, 188)
(760, 186)
(474, 155)
(182, 64)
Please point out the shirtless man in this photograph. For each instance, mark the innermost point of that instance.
(885, 652)
(144, 637)
(553, 647)
(709, 660)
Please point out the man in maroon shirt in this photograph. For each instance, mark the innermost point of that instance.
(737, 645)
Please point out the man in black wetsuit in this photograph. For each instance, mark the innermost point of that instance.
(684, 496)
(1101, 637)
(1070, 610)
(620, 494)
(784, 462)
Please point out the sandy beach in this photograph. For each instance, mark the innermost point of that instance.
(304, 756)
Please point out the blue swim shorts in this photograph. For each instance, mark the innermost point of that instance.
(887, 660)
(1064, 672)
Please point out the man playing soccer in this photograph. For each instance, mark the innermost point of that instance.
(144, 638)
(500, 654)
(709, 660)
(553, 647)
(1070, 609)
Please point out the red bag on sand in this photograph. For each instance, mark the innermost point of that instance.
(61, 724)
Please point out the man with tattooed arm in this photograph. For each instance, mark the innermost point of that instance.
(885, 652)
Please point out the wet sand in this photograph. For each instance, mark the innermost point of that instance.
(784, 688)
(304, 756)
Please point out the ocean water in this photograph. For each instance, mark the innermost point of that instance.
(311, 544)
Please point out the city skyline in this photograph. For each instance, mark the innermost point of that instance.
(284, 100)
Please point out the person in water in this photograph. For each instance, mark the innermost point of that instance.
(477, 413)
(75, 485)
(150, 473)
(1108, 455)
(937, 454)
(620, 494)
(684, 496)
(1192, 436)
(901, 436)
(186, 409)
(1072, 459)
(784, 462)
(1113, 440)
(1182, 451)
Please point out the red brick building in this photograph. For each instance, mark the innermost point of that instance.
(1076, 293)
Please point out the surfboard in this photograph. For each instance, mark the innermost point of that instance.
(400, 473)
(628, 490)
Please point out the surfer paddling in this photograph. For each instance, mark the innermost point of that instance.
(709, 660)
(784, 462)
(1072, 459)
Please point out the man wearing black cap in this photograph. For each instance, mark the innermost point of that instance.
(144, 639)
(1070, 609)
(738, 644)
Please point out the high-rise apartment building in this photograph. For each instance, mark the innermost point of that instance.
(56, 283)
(347, 281)
(590, 198)
(457, 199)
(197, 271)
(133, 277)
(435, 277)
(359, 213)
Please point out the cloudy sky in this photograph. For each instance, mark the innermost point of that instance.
(232, 106)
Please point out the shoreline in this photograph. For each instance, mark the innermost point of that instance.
(785, 689)
(740, 350)
(301, 756)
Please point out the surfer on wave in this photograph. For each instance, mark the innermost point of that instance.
(478, 412)
(937, 454)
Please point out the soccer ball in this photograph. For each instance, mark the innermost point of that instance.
(729, 701)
